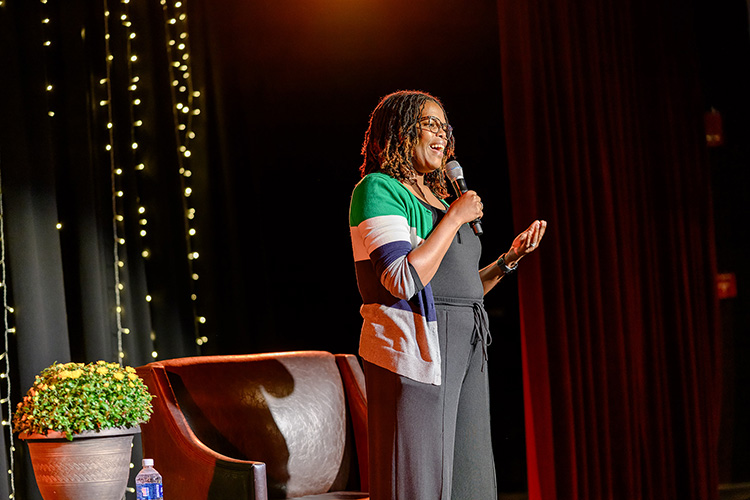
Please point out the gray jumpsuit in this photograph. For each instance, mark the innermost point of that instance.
(430, 442)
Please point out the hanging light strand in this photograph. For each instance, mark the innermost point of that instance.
(115, 173)
(47, 44)
(135, 122)
(134, 102)
(9, 330)
(185, 109)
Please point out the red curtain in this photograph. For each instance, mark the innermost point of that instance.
(619, 316)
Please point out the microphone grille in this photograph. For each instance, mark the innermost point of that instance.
(453, 170)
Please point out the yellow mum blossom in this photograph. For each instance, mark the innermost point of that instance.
(127, 397)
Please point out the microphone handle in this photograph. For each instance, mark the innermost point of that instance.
(459, 185)
(477, 227)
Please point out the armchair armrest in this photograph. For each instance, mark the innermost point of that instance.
(190, 469)
(354, 385)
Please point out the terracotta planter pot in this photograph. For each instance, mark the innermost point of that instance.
(94, 466)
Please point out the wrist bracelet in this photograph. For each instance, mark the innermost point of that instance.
(502, 265)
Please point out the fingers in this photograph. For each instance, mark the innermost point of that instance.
(529, 240)
(472, 203)
(535, 233)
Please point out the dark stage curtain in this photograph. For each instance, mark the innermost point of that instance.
(619, 320)
(73, 197)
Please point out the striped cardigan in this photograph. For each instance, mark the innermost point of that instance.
(399, 328)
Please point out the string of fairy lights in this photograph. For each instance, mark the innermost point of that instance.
(115, 176)
(8, 330)
(6, 407)
(115, 156)
(135, 123)
(116, 171)
(185, 109)
(123, 158)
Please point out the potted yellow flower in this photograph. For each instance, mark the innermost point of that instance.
(79, 421)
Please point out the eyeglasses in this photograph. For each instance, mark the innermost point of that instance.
(434, 125)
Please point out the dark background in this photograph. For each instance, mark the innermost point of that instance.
(291, 88)
(286, 90)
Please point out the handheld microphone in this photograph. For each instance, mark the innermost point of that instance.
(456, 175)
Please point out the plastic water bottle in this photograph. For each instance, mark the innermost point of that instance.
(148, 482)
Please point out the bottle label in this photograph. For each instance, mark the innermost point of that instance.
(151, 491)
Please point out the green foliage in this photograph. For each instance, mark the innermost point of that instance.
(74, 397)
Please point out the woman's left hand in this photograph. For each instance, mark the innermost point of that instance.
(527, 241)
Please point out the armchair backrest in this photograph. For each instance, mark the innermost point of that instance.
(285, 409)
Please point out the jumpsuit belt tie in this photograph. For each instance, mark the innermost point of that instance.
(481, 329)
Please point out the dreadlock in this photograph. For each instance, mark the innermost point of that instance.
(392, 135)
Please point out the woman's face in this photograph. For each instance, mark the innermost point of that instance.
(430, 148)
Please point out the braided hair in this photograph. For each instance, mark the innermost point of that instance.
(392, 135)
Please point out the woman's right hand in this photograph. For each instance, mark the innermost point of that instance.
(426, 258)
(467, 208)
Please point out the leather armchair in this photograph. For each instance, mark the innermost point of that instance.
(258, 426)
